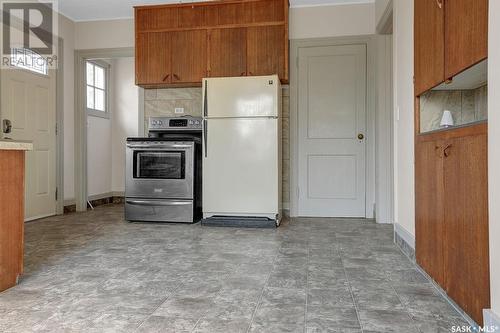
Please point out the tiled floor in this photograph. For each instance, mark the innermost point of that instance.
(93, 272)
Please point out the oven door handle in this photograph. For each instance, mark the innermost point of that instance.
(158, 203)
(181, 146)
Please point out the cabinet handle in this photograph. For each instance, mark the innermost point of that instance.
(439, 3)
(439, 151)
(177, 77)
(166, 77)
(243, 74)
(446, 150)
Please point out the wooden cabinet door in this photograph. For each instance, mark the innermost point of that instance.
(429, 208)
(466, 34)
(189, 56)
(429, 44)
(153, 58)
(466, 221)
(228, 52)
(266, 51)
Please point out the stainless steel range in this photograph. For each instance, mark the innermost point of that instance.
(163, 172)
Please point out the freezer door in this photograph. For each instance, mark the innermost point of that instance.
(256, 96)
(241, 167)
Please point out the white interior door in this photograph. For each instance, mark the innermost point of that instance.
(29, 101)
(331, 115)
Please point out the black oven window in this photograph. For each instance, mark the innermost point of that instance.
(159, 164)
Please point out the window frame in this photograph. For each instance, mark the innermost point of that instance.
(92, 111)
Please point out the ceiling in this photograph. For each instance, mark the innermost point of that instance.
(89, 10)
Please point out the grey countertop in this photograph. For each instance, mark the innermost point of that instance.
(10, 144)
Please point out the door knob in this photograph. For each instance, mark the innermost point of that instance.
(361, 136)
(6, 126)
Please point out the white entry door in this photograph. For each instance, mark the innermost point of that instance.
(332, 130)
(28, 100)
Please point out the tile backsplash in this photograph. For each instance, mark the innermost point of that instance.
(163, 102)
(466, 106)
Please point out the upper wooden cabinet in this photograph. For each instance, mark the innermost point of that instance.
(189, 56)
(429, 45)
(154, 52)
(178, 45)
(266, 51)
(228, 52)
(450, 36)
(466, 34)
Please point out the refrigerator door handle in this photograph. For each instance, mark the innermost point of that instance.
(205, 100)
(205, 136)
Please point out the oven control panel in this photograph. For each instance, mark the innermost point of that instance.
(175, 123)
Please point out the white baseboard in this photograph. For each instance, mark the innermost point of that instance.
(405, 235)
(491, 321)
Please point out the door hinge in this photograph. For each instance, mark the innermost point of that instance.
(56, 129)
(57, 190)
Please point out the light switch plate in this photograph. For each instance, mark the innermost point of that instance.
(179, 110)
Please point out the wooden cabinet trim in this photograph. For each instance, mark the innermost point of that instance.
(198, 4)
(457, 132)
(225, 26)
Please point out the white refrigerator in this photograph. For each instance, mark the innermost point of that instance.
(242, 148)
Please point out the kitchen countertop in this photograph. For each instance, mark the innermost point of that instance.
(8, 144)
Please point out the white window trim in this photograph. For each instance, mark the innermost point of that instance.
(107, 69)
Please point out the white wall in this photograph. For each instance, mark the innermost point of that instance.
(384, 136)
(106, 137)
(493, 151)
(404, 187)
(98, 155)
(67, 33)
(332, 21)
(125, 118)
(105, 34)
(84, 35)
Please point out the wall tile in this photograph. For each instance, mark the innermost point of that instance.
(285, 125)
(162, 102)
(179, 93)
(149, 94)
(466, 106)
(286, 149)
(481, 103)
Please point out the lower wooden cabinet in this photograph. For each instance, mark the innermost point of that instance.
(11, 217)
(466, 224)
(452, 217)
(429, 208)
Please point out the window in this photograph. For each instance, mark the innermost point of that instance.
(29, 60)
(97, 90)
